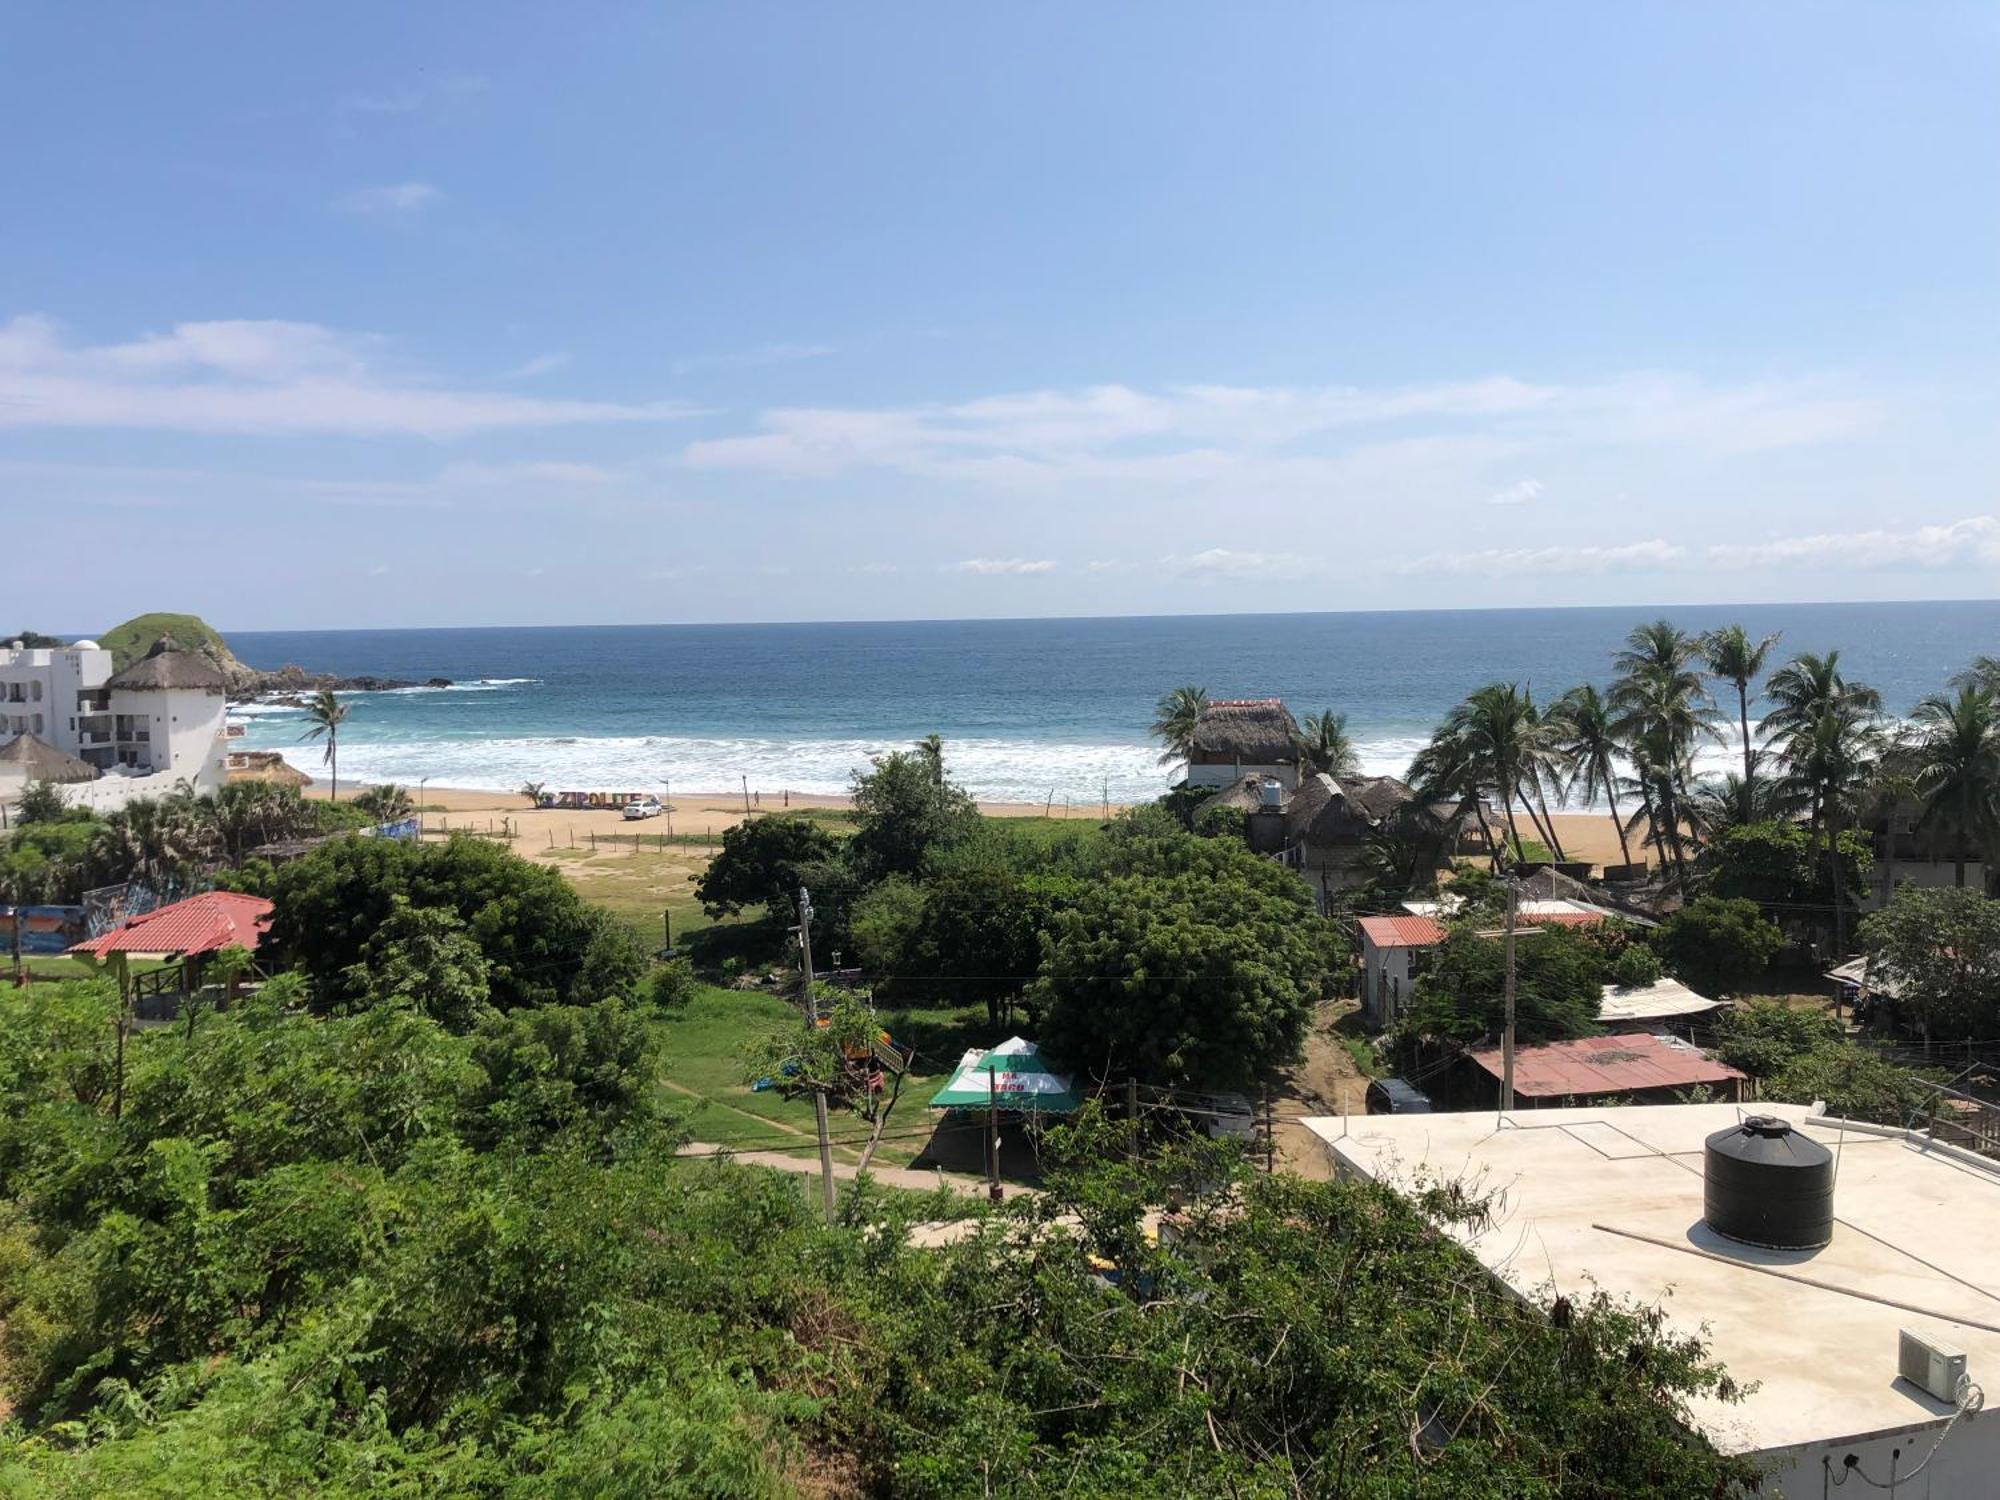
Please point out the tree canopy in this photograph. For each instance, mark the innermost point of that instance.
(1941, 949)
(759, 864)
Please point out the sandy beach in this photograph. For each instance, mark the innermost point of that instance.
(538, 831)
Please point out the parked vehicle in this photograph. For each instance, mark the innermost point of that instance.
(642, 807)
(1392, 1096)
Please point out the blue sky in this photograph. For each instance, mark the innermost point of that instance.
(471, 314)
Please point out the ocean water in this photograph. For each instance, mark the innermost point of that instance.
(1029, 709)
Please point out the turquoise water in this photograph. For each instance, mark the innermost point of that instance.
(1029, 708)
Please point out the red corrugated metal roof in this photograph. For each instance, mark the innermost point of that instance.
(207, 923)
(1402, 932)
(1606, 1065)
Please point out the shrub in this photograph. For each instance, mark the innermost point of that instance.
(1635, 968)
(1718, 945)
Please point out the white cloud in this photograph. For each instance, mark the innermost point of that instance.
(390, 198)
(1510, 562)
(263, 377)
(541, 364)
(1974, 541)
(1519, 493)
(1222, 562)
(1218, 435)
(534, 473)
(996, 565)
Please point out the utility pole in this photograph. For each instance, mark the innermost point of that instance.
(992, 1131)
(825, 1153)
(746, 796)
(1507, 1036)
(806, 953)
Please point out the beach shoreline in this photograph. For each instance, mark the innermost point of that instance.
(1585, 835)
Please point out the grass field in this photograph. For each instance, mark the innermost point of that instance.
(704, 1074)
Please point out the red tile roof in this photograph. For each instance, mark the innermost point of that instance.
(1606, 1065)
(1402, 932)
(207, 923)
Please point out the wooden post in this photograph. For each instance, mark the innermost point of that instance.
(1132, 1117)
(1507, 1036)
(124, 1004)
(825, 1154)
(992, 1131)
(1270, 1135)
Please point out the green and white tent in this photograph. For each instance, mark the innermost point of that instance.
(1012, 1075)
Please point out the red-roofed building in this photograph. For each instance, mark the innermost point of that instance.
(192, 931)
(1394, 948)
(1645, 1069)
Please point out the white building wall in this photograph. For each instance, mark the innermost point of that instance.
(185, 732)
(48, 684)
(1385, 982)
(1885, 876)
(1967, 1465)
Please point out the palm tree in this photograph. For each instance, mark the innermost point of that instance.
(1175, 721)
(533, 790)
(1830, 762)
(1583, 730)
(1444, 772)
(1803, 691)
(1732, 656)
(931, 748)
(326, 714)
(1324, 746)
(1496, 739)
(1957, 771)
(1664, 710)
(1715, 807)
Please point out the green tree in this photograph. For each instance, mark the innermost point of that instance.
(904, 808)
(1182, 978)
(1324, 745)
(1778, 864)
(1584, 732)
(1665, 712)
(1734, 658)
(40, 802)
(759, 864)
(1461, 998)
(1718, 945)
(1957, 771)
(1175, 721)
(533, 929)
(387, 803)
(1941, 949)
(562, 1068)
(326, 713)
(422, 956)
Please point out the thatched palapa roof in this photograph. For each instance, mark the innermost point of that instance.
(1247, 731)
(38, 760)
(265, 765)
(168, 666)
(1326, 811)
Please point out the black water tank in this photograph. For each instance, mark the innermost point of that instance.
(1767, 1185)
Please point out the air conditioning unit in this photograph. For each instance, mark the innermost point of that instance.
(1935, 1368)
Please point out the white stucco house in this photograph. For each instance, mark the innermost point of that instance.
(140, 732)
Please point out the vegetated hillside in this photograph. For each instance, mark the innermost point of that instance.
(129, 642)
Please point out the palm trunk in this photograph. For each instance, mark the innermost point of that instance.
(1743, 718)
(1958, 847)
(1610, 791)
(1485, 831)
(1555, 844)
(333, 760)
(1541, 828)
(1833, 871)
(1513, 831)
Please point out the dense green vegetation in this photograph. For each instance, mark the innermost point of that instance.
(130, 641)
(56, 853)
(365, 1253)
(1804, 1056)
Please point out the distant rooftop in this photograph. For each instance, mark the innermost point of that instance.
(1663, 1000)
(1612, 1198)
(1599, 1065)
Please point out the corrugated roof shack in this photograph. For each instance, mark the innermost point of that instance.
(1634, 1067)
(1615, 1200)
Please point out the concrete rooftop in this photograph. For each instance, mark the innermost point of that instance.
(1823, 1361)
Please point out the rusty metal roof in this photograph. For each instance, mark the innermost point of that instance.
(1606, 1065)
(1403, 932)
(207, 923)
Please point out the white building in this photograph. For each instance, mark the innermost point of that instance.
(1613, 1198)
(159, 722)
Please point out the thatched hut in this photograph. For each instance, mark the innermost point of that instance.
(265, 765)
(27, 758)
(1240, 736)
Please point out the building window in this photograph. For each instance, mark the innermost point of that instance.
(35, 687)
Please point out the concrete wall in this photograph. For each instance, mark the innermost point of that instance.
(1385, 982)
(1227, 773)
(1928, 874)
(1967, 1466)
(50, 681)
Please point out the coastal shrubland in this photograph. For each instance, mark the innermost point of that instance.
(365, 1253)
